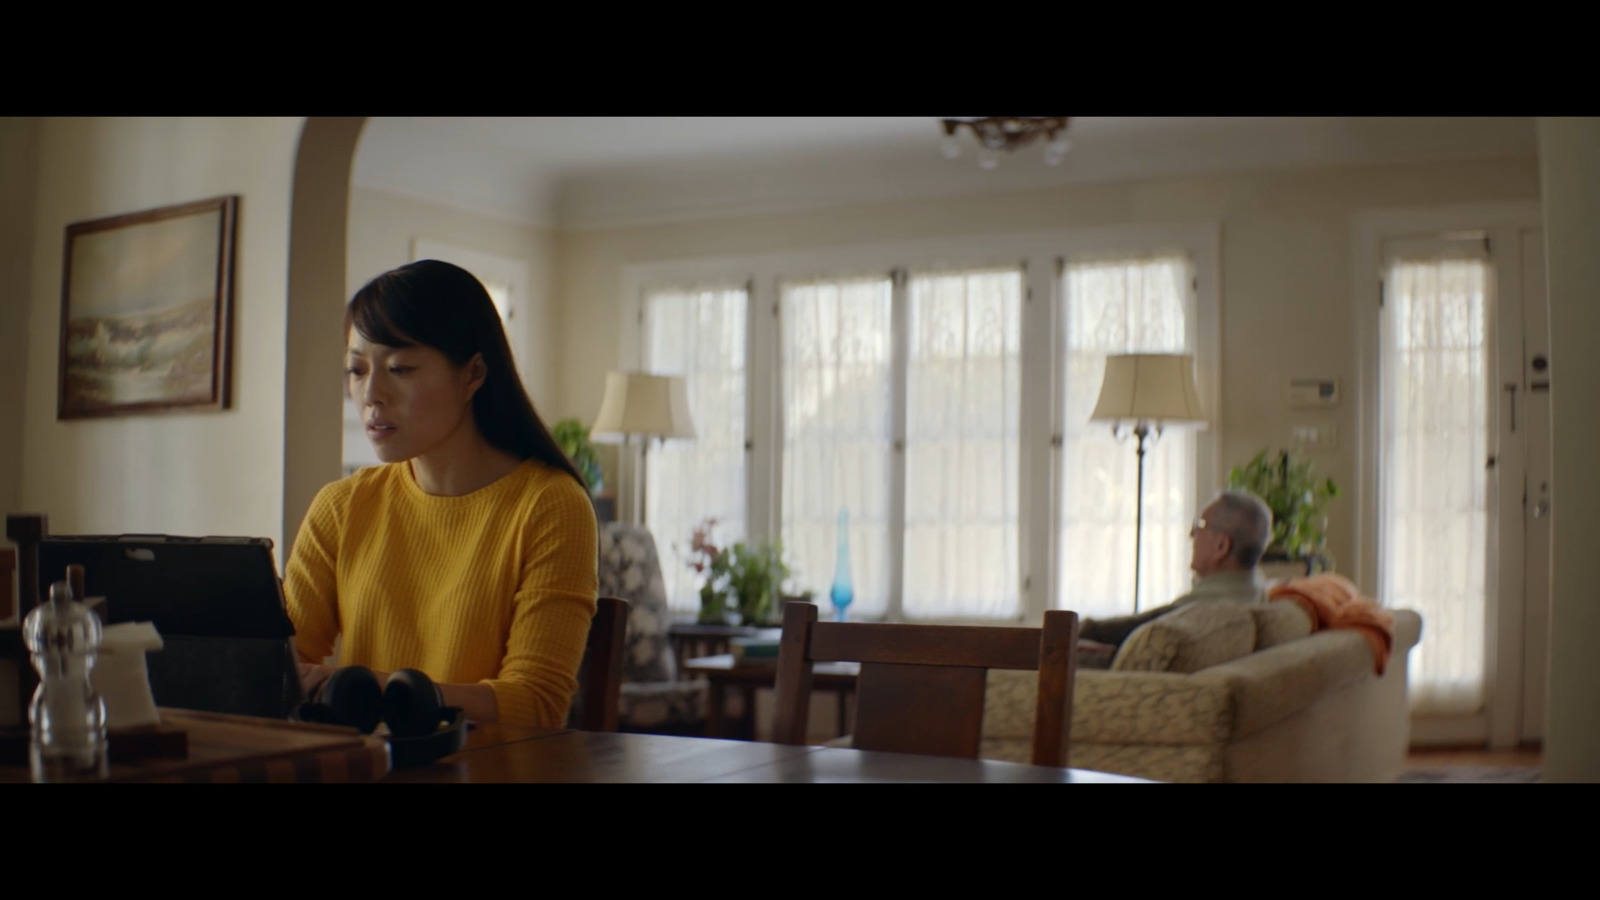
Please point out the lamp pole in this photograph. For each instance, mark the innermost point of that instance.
(641, 487)
(1140, 430)
(1144, 392)
(644, 473)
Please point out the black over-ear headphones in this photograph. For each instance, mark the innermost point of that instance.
(409, 703)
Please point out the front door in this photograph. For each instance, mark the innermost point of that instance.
(1534, 512)
(1464, 478)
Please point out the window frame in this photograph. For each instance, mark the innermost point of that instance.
(1041, 256)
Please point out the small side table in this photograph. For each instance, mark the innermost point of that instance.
(721, 674)
(690, 641)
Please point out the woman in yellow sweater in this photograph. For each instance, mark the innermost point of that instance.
(471, 553)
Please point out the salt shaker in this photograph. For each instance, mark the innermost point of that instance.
(68, 716)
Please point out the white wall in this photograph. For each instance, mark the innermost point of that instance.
(1568, 152)
(19, 161)
(194, 473)
(383, 227)
(1286, 268)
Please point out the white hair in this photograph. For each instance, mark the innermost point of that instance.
(1247, 521)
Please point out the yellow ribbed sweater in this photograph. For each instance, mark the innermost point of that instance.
(494, 587)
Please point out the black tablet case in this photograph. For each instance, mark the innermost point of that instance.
(216, 601)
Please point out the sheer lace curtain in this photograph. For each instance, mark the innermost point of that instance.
(699, 334)
(963, 400)
(837, 383)
(1121, 304)
(1435, 432)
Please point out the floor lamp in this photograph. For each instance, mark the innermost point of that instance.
(1145, 393)
(643, 406)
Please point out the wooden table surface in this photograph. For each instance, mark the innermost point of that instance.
(556, 756)
(223, 748)
(230, 748)
(837, 765)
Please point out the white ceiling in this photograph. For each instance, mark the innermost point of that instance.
(583, 172)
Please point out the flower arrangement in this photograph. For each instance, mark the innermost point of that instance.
(703, 559)
(751, 575)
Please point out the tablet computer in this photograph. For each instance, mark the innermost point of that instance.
(198, 587)
(217, 601)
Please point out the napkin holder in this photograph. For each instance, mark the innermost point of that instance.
(134, 729)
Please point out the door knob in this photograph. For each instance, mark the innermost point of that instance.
(1541, 508)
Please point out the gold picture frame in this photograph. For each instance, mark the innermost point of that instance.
(147, 310)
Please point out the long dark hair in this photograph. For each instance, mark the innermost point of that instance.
(443, 306)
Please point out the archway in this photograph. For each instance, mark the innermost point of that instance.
(319, 220)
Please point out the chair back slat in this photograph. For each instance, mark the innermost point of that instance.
(601, 677)
(921, 687)
(936, 710)
(982, 646)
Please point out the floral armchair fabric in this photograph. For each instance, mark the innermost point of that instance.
(652, 696)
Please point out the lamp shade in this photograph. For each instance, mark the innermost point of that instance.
(640, 404)
(1157, 388)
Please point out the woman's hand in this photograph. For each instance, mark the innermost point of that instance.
(476, 701)
(312, 675)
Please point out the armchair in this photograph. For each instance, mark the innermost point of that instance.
(653, 699)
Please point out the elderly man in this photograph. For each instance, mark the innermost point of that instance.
(1228, 540)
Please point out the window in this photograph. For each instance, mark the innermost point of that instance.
(1121, 304)
(952, 539)
(698, 333)
(939, 397)
(963, 406)
(838, 434)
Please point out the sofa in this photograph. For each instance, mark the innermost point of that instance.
(1222, 693)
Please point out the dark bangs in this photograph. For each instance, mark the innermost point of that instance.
(390, 310)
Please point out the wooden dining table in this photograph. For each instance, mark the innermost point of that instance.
(192, 746)
(503, 754)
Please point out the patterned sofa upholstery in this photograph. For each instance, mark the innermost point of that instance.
(1227, 694)
(653, 699)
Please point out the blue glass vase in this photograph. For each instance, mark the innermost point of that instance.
(842, 594)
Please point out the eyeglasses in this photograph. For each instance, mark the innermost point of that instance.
(1198, 526)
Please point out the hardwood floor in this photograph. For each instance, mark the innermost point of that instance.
(1467, 756)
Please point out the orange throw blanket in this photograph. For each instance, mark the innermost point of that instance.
(1332, 601)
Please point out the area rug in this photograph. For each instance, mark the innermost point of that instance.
(1470, 775)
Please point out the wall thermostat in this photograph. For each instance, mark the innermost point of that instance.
(1313, 393)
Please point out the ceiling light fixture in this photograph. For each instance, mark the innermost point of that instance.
(1007, 133)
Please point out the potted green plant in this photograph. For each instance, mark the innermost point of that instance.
(574, 440)
(756, 573)
(1299, 502)
(750, 575)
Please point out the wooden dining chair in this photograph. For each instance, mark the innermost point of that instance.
(921, 687)
(600, 679)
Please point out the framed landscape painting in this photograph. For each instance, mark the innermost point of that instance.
(146, 311)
